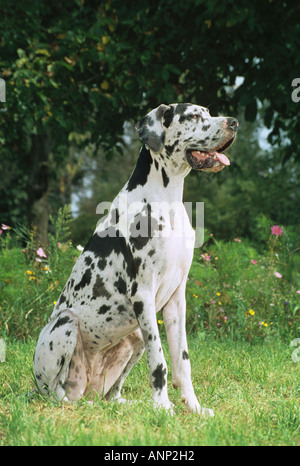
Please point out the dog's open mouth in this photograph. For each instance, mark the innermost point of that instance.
(211, 161)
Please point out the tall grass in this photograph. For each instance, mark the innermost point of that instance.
(253, 390)
(237, 289)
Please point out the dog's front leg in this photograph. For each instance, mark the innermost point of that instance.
(174, 320)
(144, 308)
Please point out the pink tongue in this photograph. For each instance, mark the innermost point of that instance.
(222, 158)
(204, 155)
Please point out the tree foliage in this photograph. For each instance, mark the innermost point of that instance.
(75, 72)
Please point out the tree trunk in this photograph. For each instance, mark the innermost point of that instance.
(38, 209)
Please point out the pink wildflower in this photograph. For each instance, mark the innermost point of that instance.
(276, 230)
(206, 257)
(238, 240)
(0, 232)
(298, 291)
(253, 261)
(277, 275)
(40, 253)
(63, 247)
(5, 227)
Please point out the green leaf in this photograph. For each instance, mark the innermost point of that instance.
(251, 111)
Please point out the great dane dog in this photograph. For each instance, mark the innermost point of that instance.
(106, 314)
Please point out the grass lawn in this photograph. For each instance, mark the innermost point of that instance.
(253, 389)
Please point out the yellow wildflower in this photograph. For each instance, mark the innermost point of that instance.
(218, 294)
(251, 312)
(160, 322)
(104, 85)
(264, 324)
(195, 296)
(105, 40)
(28, 272)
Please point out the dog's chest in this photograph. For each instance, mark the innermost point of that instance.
(174, 254)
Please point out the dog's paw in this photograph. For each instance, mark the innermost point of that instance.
(167, 406)
(206, 412)
(194, 407)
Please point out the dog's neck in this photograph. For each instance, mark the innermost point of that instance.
(158, 176)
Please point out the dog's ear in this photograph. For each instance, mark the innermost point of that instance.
(150, 129)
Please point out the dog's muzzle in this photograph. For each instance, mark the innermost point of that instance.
(213, 160)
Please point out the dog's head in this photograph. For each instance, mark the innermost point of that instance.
(187, 134)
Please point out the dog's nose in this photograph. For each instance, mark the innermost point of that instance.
(233, 123)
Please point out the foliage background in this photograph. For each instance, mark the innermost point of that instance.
(78, 74)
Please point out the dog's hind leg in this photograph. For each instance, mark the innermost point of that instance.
(132, 348)
(59, 362)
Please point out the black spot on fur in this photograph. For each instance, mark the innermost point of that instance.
(142, 169)
(103, 309)
(99, 289)
(121, 308)
(159, 377)
(181, 108)
(61, 321)
(134, 288)
(102, 247)
(88, 260)
(170, 148)
(184, 118)
(165, 177)
(168, 117)
(102, 264)
(115, 217)
(51, 345)
(142, 228)
(120, 284)
(138, 308)
(85, 280)
(62, 299)
(185, 355)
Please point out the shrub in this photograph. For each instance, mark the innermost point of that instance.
(236, 292)
(32, 278)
